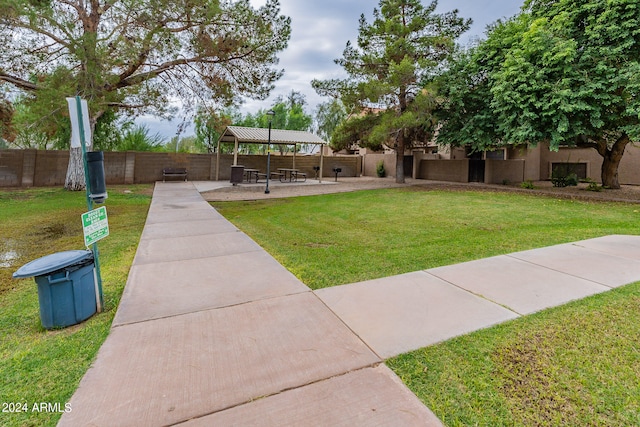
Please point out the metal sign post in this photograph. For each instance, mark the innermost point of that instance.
(95, 225)
(81, 122)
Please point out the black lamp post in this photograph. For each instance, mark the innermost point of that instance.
(270, 113)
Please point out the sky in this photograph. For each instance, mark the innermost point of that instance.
(319, 33)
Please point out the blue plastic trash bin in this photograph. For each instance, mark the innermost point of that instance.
(66, 287)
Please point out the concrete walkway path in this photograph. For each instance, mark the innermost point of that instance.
(211, 330)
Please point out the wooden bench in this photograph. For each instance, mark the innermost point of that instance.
(260, 176)
(174, 172)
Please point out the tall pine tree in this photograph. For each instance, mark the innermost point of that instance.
(404, 45)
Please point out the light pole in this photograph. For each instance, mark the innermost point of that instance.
(270, 113)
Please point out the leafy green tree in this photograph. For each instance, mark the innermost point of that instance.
(566, 72)
(210, 125)
(32, 132)
(355, 132)
(406, 43)
(188, 144)
(108, 132)
(329, 115)
(136, 55)
(290, 113)
(137, 138)
(464, 111)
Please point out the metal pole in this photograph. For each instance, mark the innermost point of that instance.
(266, 191)
(270, 113)
(321, 161)
(96, 260)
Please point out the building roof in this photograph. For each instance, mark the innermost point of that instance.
(261, 135)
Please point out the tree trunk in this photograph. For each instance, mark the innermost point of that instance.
(400, 147)
(75, 171)
(400, 159)
(609, 171)
(611, 161)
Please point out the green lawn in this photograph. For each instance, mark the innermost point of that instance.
(349, 237)
(578, 364)
(574, 365)
(46, 366)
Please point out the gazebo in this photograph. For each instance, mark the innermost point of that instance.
(244, 135)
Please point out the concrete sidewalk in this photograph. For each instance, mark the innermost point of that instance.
(211, 330)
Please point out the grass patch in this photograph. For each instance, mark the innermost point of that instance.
(46, 366)
(343, 238)
(575, 365)
(578, 364)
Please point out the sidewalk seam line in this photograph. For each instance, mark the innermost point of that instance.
(369, 366)
(610, 287)
(474, 294)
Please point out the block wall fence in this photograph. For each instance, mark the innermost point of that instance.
(40, 168)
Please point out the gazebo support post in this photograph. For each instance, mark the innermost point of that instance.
(235, 152)
(218, 161)
(321, 162)
(294, 155)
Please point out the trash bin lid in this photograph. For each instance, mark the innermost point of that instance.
(51, 263)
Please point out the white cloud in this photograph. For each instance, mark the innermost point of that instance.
(320, 31)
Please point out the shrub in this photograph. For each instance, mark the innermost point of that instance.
(528, 185)
(380, 169)
(593, 186)
(564, 180)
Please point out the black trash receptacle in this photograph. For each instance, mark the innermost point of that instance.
(97, 183)
(66, 287)
(237, 174)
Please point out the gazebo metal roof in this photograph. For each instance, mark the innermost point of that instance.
(245, 135)
(233, 134)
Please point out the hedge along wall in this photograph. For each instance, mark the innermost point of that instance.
(27, 168)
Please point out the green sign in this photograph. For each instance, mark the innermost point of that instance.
(95, 225)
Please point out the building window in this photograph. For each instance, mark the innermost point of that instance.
(564, 169)
(496, 154)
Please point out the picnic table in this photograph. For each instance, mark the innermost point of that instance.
(291, 175)
(250, 173)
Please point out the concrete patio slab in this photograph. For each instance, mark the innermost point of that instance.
(590, 264)
(367, 397)
(521, 286)
(179, 287)
(193, 247)
(174, 369)
(190, 228)
(620, 245)
(398, 314)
